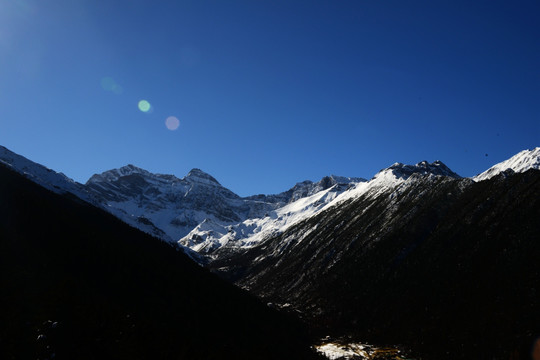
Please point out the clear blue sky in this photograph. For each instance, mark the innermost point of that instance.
(268, 93)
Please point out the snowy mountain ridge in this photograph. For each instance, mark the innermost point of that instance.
(199, 206)
(395, 176)
(172, 205)
(423, 168)
(49, 179)
(198, 212)
(115, 174)
(209, 237)
(521, 162)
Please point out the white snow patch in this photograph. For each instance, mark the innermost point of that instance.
(41, 175)
(346, 351)
(210, 235)
(335, 351)
(521, 162)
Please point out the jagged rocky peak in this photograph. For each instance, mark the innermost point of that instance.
(404, 171)
(199, 176)
(521, 162)
(336, 179)
(436, 168)
(115, 174)
(308, 188)
(328, 181)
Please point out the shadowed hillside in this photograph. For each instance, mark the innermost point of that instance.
(447, 267)
(77, 283)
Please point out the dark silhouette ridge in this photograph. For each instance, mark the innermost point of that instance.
(447, 267)
(77, 283)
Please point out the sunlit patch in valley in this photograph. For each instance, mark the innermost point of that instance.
(144, 106)
(172, 123)
(335, 350)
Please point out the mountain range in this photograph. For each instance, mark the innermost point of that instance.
(419, 256)
(199, 213)
(78, 283)
(447, 266)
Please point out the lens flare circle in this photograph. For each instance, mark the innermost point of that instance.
(172, 123)
(144, 106)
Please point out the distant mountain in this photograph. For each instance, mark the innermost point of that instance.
(307, 200)
(172, 205)
(299, 203)
(521, 162)
(61, 184)
(77, 283)
(200, 214)
(402, 171)
(197, 208)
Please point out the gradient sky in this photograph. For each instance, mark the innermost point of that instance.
(265, 94)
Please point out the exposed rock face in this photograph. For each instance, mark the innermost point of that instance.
(173, 205)
(422, 168)
(302, 201)
(197, 203)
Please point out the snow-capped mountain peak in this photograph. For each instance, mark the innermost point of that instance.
(302, 201)
(199, 176)
(521, 162)
(398, 173)
(345, 180)
(308, 188)
(165, 202)
(403, 171)
(115, 174)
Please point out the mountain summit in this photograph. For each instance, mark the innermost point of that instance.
(438, 168)
(197, 175)
(115, 174)
(521, 162)
(168, 205)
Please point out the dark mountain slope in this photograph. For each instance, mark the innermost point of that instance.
(77, 283)
(445, 266)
